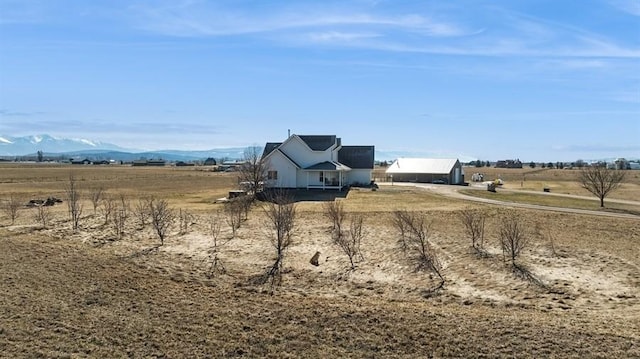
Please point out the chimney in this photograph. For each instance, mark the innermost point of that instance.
(288, 133)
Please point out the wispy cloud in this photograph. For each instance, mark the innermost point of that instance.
(10, 113)
(499, 32)
(629, 6)
(195, 19)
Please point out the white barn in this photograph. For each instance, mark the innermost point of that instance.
(317, 162)
(426, 170)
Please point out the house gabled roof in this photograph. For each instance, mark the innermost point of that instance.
(275, 151)
(329, 166)
(269, 147)
(422, 165)
(319, 142)
(360, 157)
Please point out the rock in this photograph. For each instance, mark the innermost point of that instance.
(314, 259)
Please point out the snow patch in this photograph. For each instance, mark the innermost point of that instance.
(92, 144)
(4, 140)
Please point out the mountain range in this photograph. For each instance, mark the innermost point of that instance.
(76, 148)
(97, 150)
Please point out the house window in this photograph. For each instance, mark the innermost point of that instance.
(321, 176)
(272, 175)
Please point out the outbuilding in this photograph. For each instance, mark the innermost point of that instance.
(426, 170)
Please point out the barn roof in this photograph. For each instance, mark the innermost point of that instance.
(422, 165)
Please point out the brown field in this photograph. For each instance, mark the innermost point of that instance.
(88, 294)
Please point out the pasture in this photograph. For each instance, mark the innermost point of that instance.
(96, 293)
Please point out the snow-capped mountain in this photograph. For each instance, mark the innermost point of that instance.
(20, 146)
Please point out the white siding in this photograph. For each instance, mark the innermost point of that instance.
(286, 171)
(361, 176)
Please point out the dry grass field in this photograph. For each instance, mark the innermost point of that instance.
(90, 293)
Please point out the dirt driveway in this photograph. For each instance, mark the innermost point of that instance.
(453, 191)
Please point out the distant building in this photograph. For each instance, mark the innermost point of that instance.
(427, 170)
(86, 161)
(509, 164)
(158, 163)
(210, 161)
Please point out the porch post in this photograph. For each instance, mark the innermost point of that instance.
(307, 179)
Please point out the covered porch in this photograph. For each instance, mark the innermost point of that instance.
(328, 175)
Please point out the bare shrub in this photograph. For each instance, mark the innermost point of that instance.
(125, 205)
(215, 264)
(335, 212)
(11, 207)
(474, 224)
(42, 216)
(119, 222)
(280, 211)
(106, 208)
(350, 244)
(96, 195)
(513, 237)
(185, 219)
(233, 214)
(401, 220)
(245, 203)
(162, 217)
(74, 203)
(417, 232)
(141, 212)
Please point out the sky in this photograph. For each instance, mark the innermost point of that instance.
(543, 80)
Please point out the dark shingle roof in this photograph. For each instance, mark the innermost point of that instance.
(357, 156)
(269, 147)
(318, 143)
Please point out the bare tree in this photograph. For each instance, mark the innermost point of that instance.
(245, 203)
(125, 206)
(418, 231)
(74, 203)
(473, 222)
(281, 216)
(233, 211)
(42, 215)
(141, 212)
(600, 180)
(119, 222)
(350, 244)
(253, 171)
(513, 237)
(106, 208)
(401, 220)
(335, 212)
(215, 264)
(185, 220)
(162, 217)
(11, 207)
(96, 195)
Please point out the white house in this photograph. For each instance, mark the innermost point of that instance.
(317, 162)
(430, 170)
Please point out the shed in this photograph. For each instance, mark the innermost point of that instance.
(427, 170)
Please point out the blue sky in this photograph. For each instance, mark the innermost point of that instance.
(535, 80)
